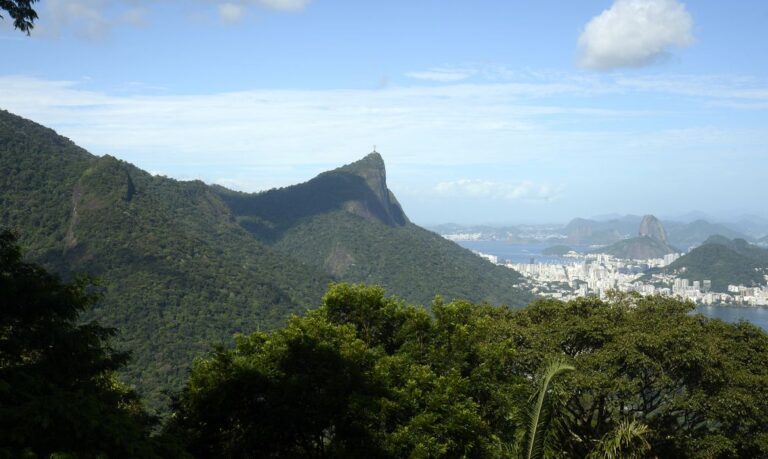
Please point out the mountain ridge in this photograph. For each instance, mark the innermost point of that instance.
(723, 261)
(183, 266)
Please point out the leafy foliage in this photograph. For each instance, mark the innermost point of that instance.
(58, 391)
(363, 375)
(695, 382)
(651, 380)
(21, 12)
(540, 415)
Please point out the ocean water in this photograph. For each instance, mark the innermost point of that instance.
(756, 315)
(522, 253)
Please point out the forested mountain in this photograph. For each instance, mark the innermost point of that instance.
(723, 261)
(185, 265)
(347, 223)
(178, 273)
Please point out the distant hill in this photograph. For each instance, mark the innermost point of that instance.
(723, 261)
(651, 242)
(557, 250)
(585, 231)
(185, 265)
(698, 231)
(651, 227)
(637, 248)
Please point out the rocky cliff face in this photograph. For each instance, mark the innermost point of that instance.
(380, 204)
(652, 227)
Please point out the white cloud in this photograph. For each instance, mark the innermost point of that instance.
(87, 18)
(516, 128)
(95, 19)
(527, 190)
(282, 5)
(230, 12)
(634, 33)
(443, 75)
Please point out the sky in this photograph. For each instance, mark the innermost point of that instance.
(484, 111)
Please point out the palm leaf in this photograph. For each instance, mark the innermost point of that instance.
(539, 417)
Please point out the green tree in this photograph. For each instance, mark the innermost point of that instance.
(21, 12)
(699, 385)
(307, 390)
(58, 391)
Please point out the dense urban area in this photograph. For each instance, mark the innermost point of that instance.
(596, 274)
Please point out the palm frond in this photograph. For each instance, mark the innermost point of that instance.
(538, 418)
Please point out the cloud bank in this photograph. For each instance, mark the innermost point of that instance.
(527, 190)
(94, 19)
(634, 33)
(442, 75)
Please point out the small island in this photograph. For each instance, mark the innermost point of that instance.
(557, 251)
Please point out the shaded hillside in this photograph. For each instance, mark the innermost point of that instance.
(349, 224)
(178, 273)
(724, 262)
(180, 265)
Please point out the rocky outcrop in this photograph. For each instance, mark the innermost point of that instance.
(651, 227)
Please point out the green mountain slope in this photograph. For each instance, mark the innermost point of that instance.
(347, 223)
(724, 262)
(180, 265)
(178, 273)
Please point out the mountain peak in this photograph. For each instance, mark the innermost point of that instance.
(372, 170)
(370, 164)
(652, 227)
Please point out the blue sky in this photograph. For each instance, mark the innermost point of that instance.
(484, 111)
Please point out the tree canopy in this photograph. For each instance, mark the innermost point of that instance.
(369, 373)
(58, 388)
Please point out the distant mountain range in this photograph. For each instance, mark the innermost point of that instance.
(651, 242)
(605, 230)
(185, 264)
(723, 261)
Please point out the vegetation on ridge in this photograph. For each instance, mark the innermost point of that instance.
(185, 265)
